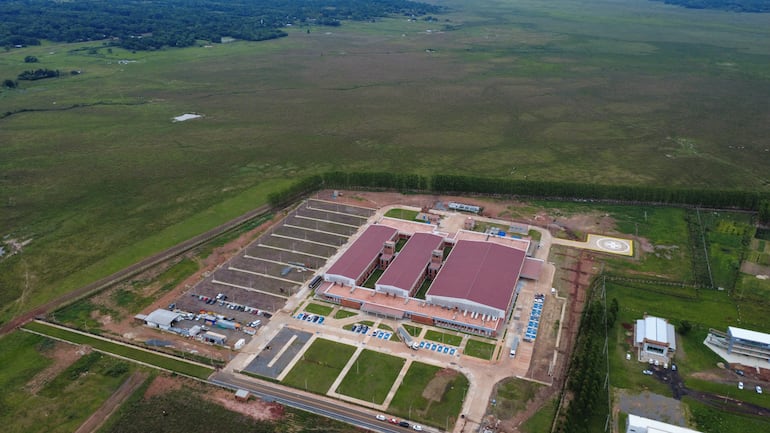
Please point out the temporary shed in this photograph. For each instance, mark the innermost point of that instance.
(213, 337)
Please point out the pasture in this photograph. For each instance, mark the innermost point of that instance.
(97, 175)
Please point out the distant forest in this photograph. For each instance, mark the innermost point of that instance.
(728, 5)
(152, 24)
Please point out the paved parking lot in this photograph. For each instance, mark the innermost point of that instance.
(285, 346)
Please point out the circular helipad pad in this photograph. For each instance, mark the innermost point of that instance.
(614, 245)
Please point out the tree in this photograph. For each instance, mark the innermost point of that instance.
(612, 312)
(30, 59)
(764, 211)
(685, 327)
(9, 84)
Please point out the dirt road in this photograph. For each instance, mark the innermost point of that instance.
(95, 421)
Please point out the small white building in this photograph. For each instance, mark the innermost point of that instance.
(655, 338)
(638, 424)
(163, 319)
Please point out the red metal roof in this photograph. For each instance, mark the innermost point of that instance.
(363, 252)
(531, 269)
(411, 262)
(482, 272)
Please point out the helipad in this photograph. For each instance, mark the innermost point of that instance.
(611, 245)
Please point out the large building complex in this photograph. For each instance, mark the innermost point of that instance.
(472, 290)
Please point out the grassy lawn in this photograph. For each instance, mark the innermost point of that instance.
(319, 309)
(343, 314)
(512, 396)
(444, 338)
(67, 399)
(423, 289)
(479, 349)
(730, 390)
(402, 214)
(139, 355)
(371, 376)
(445, 390)
(542, 420)
(372, 280)
(710, 420)
(320, 365)
(412, 330)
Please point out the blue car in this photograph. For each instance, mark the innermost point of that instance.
(380, 334)
(320, 320)
(446, 349)
(433, 346)
(365, 329)
(356, 328)
(440, 349)
(452, 351)
(422, 345)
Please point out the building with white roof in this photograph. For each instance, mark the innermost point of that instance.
(655, 338)
(639, 424)
(749, 343)
(162, 319)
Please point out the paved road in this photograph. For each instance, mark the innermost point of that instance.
(308, 402)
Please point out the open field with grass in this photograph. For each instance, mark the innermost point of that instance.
(443, 337)
(319, 309)
(97, 175)
(512, 396)
(67, 399)
(430, 394)
(371, 376)
(132, 353)
(479, 349)
(320, 365)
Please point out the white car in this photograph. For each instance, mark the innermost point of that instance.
(417, 427)
(759, 389)
(740, 385)
(381, 417)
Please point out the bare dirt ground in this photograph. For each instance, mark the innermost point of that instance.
(253, 408)
(63, 355)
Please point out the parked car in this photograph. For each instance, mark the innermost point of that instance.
(647, 372)
(759, 389)
(740, 385)
(404, 424)
(393, 421)
(740, 372)
(381, 417)
(417, 427)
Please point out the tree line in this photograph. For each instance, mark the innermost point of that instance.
(727, 5)
(146, 25)
(459, 184)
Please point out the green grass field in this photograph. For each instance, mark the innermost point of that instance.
(404, 214)
(710, 420)
(320, 365)
(435, 403)
(443, 337)
(512, 396)
(371, 376)
(67, 399)
(479, 349)
(98, 177)
(342, 314)
(142, 356)
(319, 309)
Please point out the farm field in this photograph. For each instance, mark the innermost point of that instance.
(97, 176)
